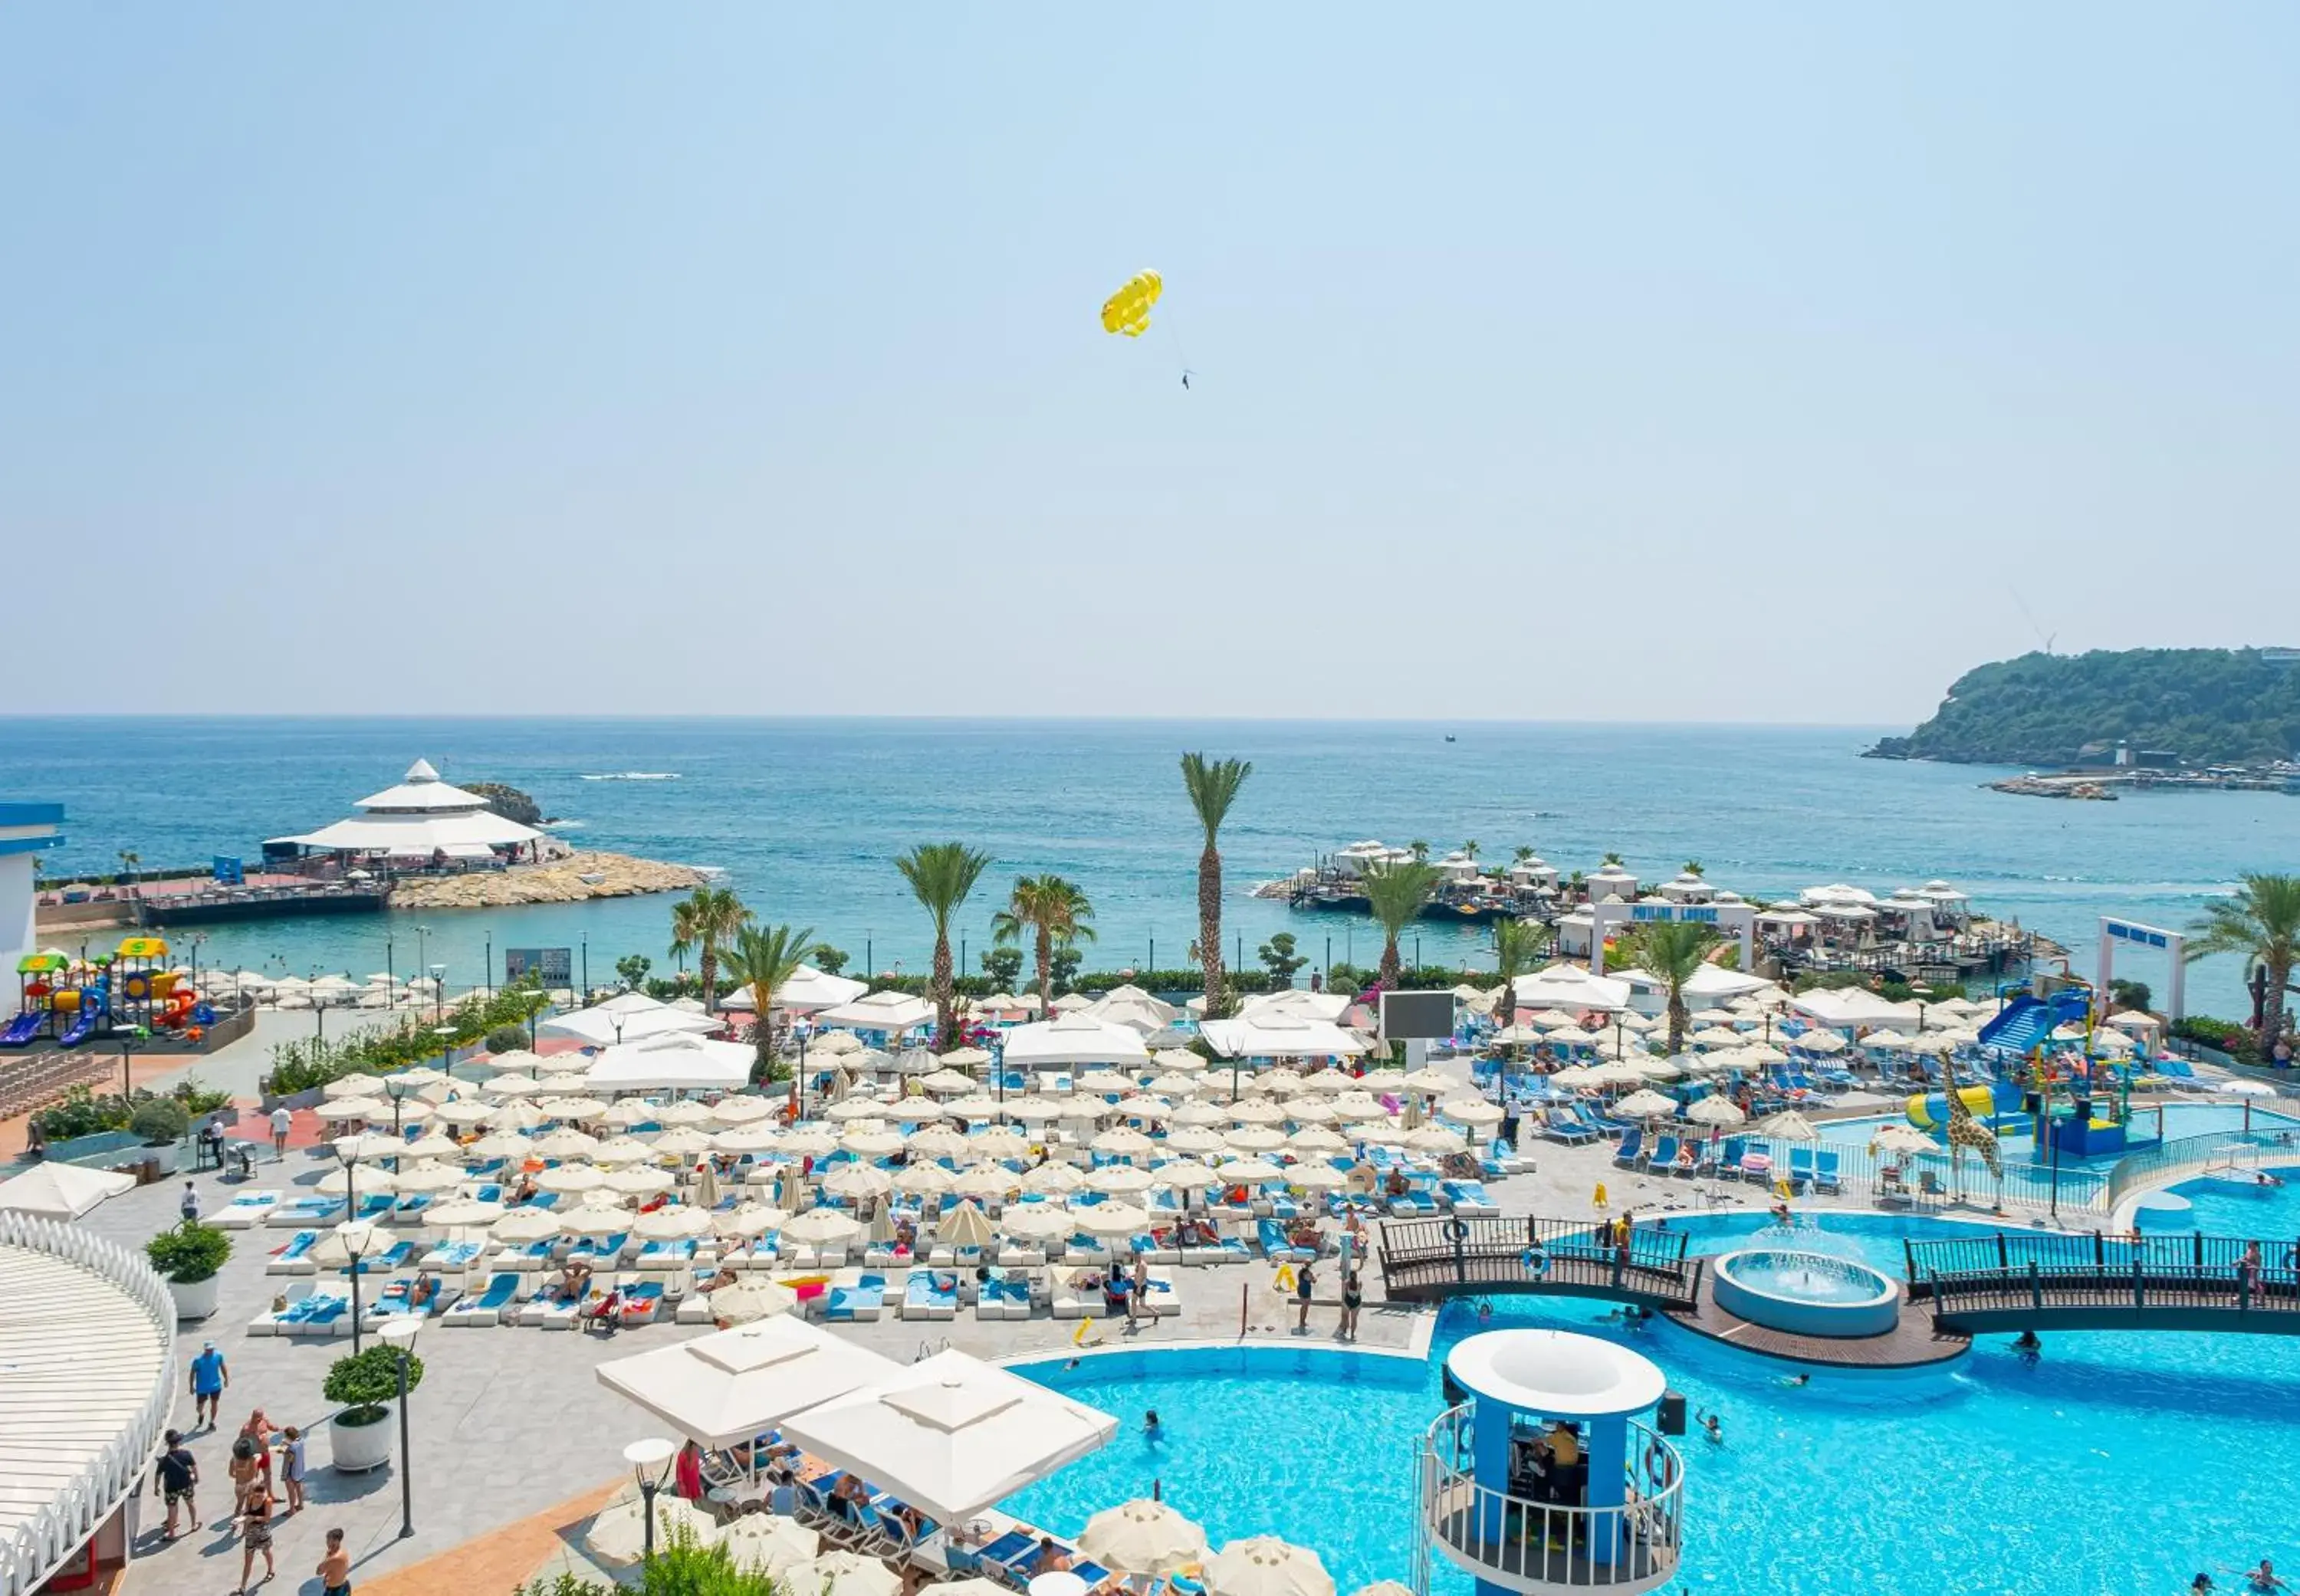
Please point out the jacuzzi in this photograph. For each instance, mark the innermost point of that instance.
(1806, 1293)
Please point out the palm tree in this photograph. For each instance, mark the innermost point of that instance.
(765, 956)
(1693, 867)
(1418, 849)
(1611, 859)
(1396, 893)
(1673, 952)
(1470, 849)
(1053, 911)
(703, 924)
(129, 859)
(1520, 853)
(941, 874)
(2261, 922)
(1517, 943)
(1213, 785)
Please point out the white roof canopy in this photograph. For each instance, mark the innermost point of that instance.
(62, 1191)
(951, 1434)
(880, 1012)
(1075, 1038)
(419, 817)
(1850, 1006)
(1711, 984)
(739, 1384)
(1570, 986)
(804, 992)
(1276, 1034)
(672, 1062)
(606, 1026)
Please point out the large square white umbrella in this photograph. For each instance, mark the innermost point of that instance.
(1112, 1218)
(951, 1434)
(1266, 1566)
(737, 1384)
(599, 1028)
(62, 1191)
(1143, 1537)
(618, 1535)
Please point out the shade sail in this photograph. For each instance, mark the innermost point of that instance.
(671, 1063)
(735, 1384)
(804, 992)
(1278, 1033)
(880, 1012)
(62, 1191)
(951, 1434)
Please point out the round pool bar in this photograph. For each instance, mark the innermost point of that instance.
(1806, 1293)
(1547, 1478)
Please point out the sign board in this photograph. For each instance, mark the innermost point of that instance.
(228, 871)
(1698, 914)
(1416, 1016)
(553, 967)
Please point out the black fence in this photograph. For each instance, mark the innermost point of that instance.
(2013, 1274)
(1432, 1258)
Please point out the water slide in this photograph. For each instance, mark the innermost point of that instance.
(2025, 1021)
(1991, 1104)
(21, 1029)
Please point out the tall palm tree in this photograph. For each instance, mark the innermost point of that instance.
(1052, 911)
(1418, 849)
(1517, 943)
(1396, 893)
(1520, 853)
(1213, 785)
(765, 956)
(2261, 922)
(704, 923)
(941, 874)
(1673, 952)
(1470, 849)
(1693, 868)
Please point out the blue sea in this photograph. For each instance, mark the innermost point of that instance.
(806, 817)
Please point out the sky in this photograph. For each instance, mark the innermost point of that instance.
(1761, 362)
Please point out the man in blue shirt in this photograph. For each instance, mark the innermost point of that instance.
(209, 1375)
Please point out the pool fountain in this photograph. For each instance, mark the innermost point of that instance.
(1806, 1293)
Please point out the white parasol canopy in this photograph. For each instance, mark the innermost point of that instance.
(1143, 1537)
(951, 1434)
(738, 1384)
(62, 1191)
(1266, 1566)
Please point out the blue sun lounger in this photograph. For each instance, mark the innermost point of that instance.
(487, 1307)
(1625, 1156)
(930, 1294)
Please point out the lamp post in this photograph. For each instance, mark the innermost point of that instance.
(587, 968)
(319, 1017)
(488, 971)
(397, 1089)
(390, 969)
(356, 1236)
(422, 932)
(438, 992)
(400, 1335)
(650, 1461)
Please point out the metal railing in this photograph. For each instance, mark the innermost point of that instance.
(2033, 1273)
(2184, 1155)
(1492, 1533)
(33, 1550)
(1563, 1256)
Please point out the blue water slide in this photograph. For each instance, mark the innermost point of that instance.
(2026, 1021)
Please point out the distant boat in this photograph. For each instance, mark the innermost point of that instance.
(1449, 737)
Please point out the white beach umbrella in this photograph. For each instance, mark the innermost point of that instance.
(1646, 1105)
(854, 1182)
(1035, 1221)
(746, 1110)
(572, 1107)
(1034, 1110)
(924, 1180)
(621, 1151)
(468, 1214)
(682, 1141)
(510, 1085)
(1255, 1138)
(1713, 1109)
(871, 1140)
(565, 1144)
(974, 1105)
(1471, 1111)
(947, 1083)
(1125, 1143)
(1203, 1114)
(938, 1142)
(847, 1110)
(1258, 1113)
(570, 1178)
(500, 1144)
(748, 1220)
(637, 1181)
(1787, 1126)
(1054, 1180)
(1317, 1142)
(594, 1218)
(618, 1535)
(747, 1138)
(1317, 1177)
(432, 1145)
(523, 1225)
(1112, 1218)
(1901, 1138)
(1249, 1172)
(820, 1226)
(846, 1573)
(765, 1542)
(1195, 1139)
(463, 1111)
(423, 1179)
(676, 1223)
(1143, 1537)
(1119, 1180)
(353, 1108)
(747, 1302)
(987, 1182)
(1435, 1138)
(1266, 1566)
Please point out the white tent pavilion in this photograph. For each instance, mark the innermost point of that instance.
(422, 817)
(951, 1434)
(1838, 1007)
(673, 1063)
(893, 1012)
(738, 1384)
(1072, 1039)
(808, 992)
(1570, 987)
(1711, 984)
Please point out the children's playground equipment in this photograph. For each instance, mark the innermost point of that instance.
(134, 986)
(1997, 1104)
(2026, 1022)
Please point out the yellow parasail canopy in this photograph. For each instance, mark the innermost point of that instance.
(1127, 310)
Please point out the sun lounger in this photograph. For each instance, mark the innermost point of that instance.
(1159, 1299)
(326, 1312)
(246, 1211)
(1757, 1166)
(1276, 1245)
(1801, 1168)
(409, 1210)
(546, 1313)
(1086, 1251)
(1468, 1199)
(294, 1258)
(1004, 1297)
(662, 1256)
(855, 1296)
(943, 1256)
(601, 1252)
(1631, 1148)
(389, 1261)
(534, 1255)
(1663, 1159)
(1825, 1175)
(296, 1213)
(1412, 1205)
(449, 1257)
(640, 1304)
(376, 1210)
(488, 1306)
(930, 1294)
(267, 1323)
(1559, 1125)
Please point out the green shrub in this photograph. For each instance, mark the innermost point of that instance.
(188, 1253)
(160, 1120)
(506, 1039)
(82, 1113)
(2225, 1035)
(197, 1099)
(363, 1383)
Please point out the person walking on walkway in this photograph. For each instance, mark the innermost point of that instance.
(175, 1478)
(282, 1122)
(210, 1377)
(335, 1569)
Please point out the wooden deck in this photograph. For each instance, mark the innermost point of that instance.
(1914, 1343)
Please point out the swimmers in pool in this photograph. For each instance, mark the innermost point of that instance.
(1713, 1426)
(1796, 1379)
(2027, 1347)
(1485, 1314)
(1152, 1430)
(2263, 1580)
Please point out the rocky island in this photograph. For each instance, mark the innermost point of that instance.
(575, 878)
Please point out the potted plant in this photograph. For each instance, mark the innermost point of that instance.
(187, 1258)
(162, 1123)
(364, 1386)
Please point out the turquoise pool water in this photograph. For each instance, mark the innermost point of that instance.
(2177, 1120)
(1787, 1274)
(2117, 1465)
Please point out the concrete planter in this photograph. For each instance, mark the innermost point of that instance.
(195, 1299)
(295, 1099)
(163, 1160)
(358, 1447)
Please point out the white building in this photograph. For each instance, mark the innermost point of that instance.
(422, 819)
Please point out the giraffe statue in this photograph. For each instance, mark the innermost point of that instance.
(1966, 1132)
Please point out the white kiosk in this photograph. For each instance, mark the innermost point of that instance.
(1733, 918)
(26, 830)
